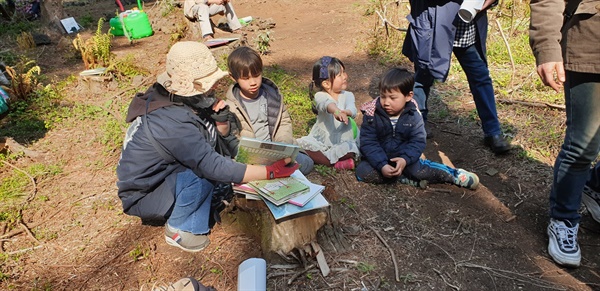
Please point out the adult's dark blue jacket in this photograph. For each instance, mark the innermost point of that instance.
(379, 141)
(430, 37)
(146, 181)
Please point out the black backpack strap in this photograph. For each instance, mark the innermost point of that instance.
(570, 9)
(162, 151)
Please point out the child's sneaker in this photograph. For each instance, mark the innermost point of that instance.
(466, 179)
(184, 240)
(562, 243)
(591, 199)
(347, 164)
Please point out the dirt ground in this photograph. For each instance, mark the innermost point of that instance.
(441, 238)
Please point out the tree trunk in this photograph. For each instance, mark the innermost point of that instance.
(52, 13)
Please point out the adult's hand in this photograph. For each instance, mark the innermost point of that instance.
(547, 73)
(281, 169)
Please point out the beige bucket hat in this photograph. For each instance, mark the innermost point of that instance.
(191, 69)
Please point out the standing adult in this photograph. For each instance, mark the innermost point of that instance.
(567, 54)
(435, 32)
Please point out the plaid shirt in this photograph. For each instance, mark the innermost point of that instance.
(465, 34)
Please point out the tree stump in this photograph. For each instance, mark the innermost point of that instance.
(255, 219)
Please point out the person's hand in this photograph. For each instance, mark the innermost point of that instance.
(547, 71)
(340, 116)
(281, 169)
(395, 170)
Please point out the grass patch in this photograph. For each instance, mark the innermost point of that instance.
(295, 98)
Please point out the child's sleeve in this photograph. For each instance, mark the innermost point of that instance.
(322, 100)
(370, 147)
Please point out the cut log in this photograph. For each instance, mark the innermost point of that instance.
(255, 219)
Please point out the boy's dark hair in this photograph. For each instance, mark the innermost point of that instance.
(244, 62)
(398, 79)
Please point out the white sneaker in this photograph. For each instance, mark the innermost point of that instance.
(562, 243)
(591, 199)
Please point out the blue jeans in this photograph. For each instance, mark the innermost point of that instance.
(580, 147)
(193, 197)
(480, 83)
(305, 162)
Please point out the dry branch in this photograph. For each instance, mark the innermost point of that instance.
(289, 282)
(512, 61)
(532, 104)
(391, 253)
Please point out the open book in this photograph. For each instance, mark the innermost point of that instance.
(279, 191)
(259, 152)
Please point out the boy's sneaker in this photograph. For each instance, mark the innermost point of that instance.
(591, 199)
(184, 240)
(562, 243)
(466, 179)
(347, 164)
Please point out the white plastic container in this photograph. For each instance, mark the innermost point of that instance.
(252, 275)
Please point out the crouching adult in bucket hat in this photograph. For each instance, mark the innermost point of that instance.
(169, 166)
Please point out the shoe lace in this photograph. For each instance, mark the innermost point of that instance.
(567, 237)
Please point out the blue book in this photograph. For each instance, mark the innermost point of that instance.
(288, 209)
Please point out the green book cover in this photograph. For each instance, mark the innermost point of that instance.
(279, 191)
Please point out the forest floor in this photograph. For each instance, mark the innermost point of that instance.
(443, 237)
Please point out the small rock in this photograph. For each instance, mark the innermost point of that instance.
(491, 171)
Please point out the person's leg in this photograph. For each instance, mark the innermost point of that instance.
(481, 87)
(319, 158)
(423, 83)
(366, 173)
(202, 13)
(232, 19)
(305, 162)
(580, 146)
(480, 83)
(591, 193)
(189, 221)
(436, 173)
(572, 167)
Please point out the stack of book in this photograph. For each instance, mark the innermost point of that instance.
(285, 196)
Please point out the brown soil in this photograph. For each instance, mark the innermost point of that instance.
(443, 238)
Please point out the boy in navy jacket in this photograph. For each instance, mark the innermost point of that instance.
(392, 138)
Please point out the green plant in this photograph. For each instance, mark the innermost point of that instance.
(24, 79)
(365, 267)
(95, 51)
(296, 99)
(86, 20)
(139, 252)
(263, 42)
(25, 40)
(166, 7)
(126, 67)
(325, 170)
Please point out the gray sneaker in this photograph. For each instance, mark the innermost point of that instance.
(591, 199)
(466, 179)
(562, 243)
(184, 240)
